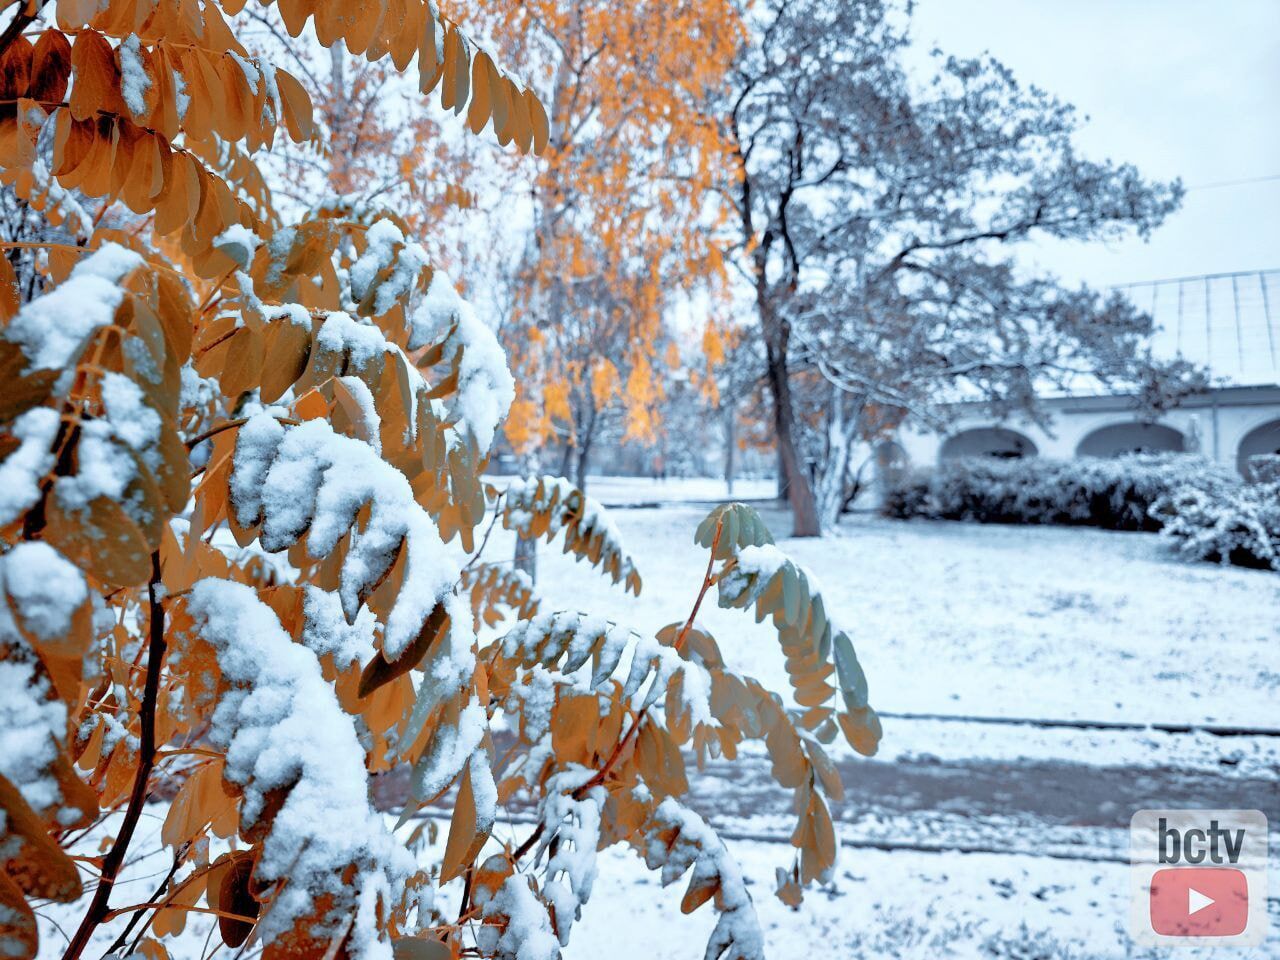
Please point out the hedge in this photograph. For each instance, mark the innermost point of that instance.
(1115, 494)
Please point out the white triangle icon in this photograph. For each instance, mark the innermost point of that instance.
(1197, 901)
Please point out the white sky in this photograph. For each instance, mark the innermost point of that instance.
(1186, 88)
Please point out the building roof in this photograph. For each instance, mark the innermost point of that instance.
(1226, 322)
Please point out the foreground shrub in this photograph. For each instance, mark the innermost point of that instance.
(1116, 494)
(241, 459)
(1240, 526)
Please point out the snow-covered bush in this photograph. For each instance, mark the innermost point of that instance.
(1203, 508)
(1264, 468)
(1116, 494)
(1240, 525)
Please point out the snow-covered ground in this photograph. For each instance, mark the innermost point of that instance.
(951, 621)
(958, 620)
(990, 621)
(890, 906)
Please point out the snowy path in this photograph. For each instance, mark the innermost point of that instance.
(1049, 808)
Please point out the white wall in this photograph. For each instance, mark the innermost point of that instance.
(1215, 423)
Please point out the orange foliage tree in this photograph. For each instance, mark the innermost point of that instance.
(378, 144)
(234, 449)
(620, 224)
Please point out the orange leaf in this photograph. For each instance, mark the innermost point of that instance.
(97, 79)
(296, 104)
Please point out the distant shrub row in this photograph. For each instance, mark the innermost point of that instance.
(1203, 507)
(1114, 494)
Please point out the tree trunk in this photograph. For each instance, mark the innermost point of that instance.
(835, 466)
(526, 553)
(776, 331)
(548, 303)
(339, 181)
(580, 469)
(585, 439)
(526, 557)
(805, 521)
(729, 420)
(566, 457)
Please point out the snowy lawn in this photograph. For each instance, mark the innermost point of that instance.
(962, 619)
(888, 906)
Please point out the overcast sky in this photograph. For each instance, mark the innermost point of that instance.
(1186, 88)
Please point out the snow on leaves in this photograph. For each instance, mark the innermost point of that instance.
(517, 926)
(567, 641)
(815, 648)
(675, 839)
(572, 825)
(382, 302)
(293, 754)
(22, 471)
(109, 337)
(44, 631)
(493, 586)
(479, 380)
(53, 329)
(306, 481)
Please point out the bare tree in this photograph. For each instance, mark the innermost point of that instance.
(877, 211)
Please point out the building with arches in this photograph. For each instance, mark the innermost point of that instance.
(1226, 323)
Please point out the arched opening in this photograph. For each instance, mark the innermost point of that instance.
(1122, 438)
(891, 464)
(998, 442)
(1261, 441)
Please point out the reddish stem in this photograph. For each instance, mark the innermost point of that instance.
(706, 585)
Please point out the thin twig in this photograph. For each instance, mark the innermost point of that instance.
(231, 425)
(21, 20)
(466, 895)
(484, 542)
(114, 859)
(133, 920)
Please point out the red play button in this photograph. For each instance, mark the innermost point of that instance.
(1199, 902)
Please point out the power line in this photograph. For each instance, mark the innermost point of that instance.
(1234, 183)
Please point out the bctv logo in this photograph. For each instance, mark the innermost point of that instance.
(1198, 877)
(1194, 846)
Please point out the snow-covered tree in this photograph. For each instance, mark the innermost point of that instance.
(877, 210)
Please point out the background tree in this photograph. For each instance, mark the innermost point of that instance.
(381, 143)
(616, 226)
(877, 212)
(619, 226)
